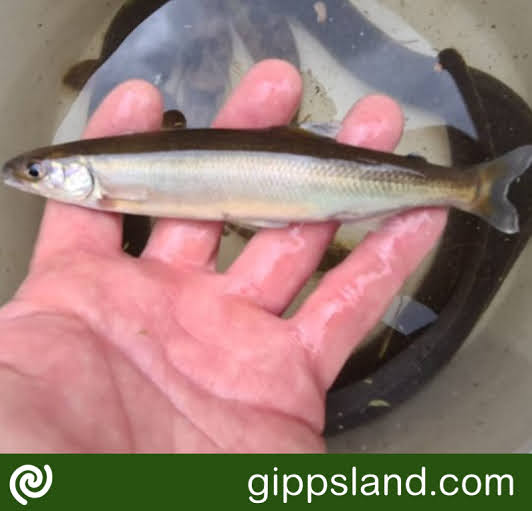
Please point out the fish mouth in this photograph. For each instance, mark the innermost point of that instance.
(9, 179)
(7, 174)
(13, 183)
(6, 169)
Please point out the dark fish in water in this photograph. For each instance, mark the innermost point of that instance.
(261, 177)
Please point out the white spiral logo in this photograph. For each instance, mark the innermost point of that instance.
(27, 479)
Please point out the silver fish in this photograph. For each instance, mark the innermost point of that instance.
(260, 177)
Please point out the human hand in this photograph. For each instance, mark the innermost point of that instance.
(100, 351)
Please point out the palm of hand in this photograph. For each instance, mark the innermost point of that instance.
(103, 352)
(144, 366)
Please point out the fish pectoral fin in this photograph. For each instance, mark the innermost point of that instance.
(124, 197)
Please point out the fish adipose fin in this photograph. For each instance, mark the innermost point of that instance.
(495, 178)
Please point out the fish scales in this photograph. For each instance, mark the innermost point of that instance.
(222, 181)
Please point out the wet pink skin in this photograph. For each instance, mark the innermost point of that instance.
(103, 352)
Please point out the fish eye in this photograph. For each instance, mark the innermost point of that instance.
(34, 170)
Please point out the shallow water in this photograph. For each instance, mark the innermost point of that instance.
(344, 51)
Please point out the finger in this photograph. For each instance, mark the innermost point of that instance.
(131, 107)
(276, 263)
(268, 95)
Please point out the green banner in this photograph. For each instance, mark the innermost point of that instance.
(267, 481)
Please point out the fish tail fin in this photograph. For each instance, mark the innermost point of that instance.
(495, 177)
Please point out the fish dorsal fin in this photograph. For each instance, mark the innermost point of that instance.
(310, 129)
(253, 224)
(322, 129)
